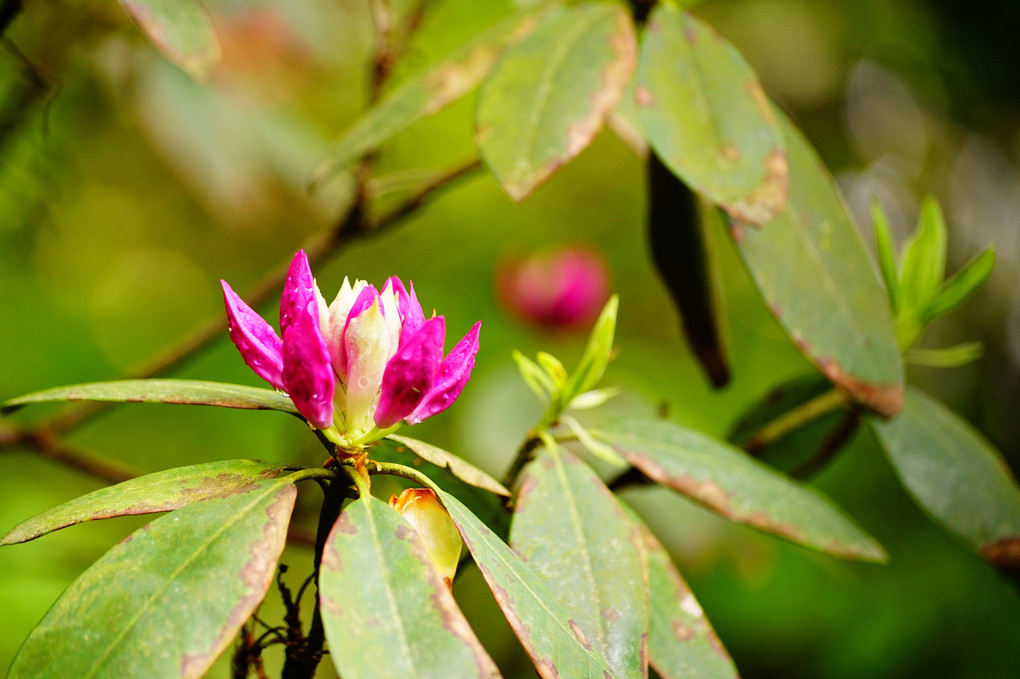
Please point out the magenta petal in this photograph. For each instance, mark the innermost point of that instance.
(298, 291)
(414, 317)
(403, 300)
(258, 343)
(411, 372)
(454, 372)
(366, 298)
(307, 373)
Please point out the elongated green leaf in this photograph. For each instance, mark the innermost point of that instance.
(488, 506)
(569, 528)
(814, 273)
(597, 353)
(739, 487)
(169, 599)
(386, 611)
(426, 93)
(886, 252)
(536, 378)
(945, 357)
(159, 492)
(185, 392)
(552, 92)
(707, 117)
(181, 29)
(924, 258)
(681, 642)
(462, 469)
(551, 638)
(960, 286)
(956, 476)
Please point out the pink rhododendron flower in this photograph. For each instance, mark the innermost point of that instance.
(561, 288)
(359, 366)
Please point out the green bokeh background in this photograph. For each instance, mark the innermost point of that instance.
(127, 190)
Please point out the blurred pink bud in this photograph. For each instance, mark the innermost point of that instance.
(566, 287)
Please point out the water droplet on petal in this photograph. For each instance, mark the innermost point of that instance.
(363, 382)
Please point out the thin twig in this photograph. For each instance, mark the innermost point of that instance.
(795, 419)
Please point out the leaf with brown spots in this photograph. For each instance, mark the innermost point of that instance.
(552, 640)
(462, 469)
(169, 599)
(707, 117)
(956, 476)
(426, 93)
(573, 533)
(738, 487)
(552, 92)
(681, 642)
(814, 273)
(178, 392)
(182, 31)
(160, 492)
(386, 611)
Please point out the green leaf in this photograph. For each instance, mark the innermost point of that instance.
(603, 451)
(385, 609)
(462, 469)
(182, 31)
(886, 252)
(169, 599)
(681, 642)
(426, 93)
(488, 506)
(592, 399)
(536, 378)
(551, 638)
(738, 487)
(551, 93)
(947, 357)
(186, 392)
(569, 528)
(160, 492)
(960, 286)
(553, 368)
(924, 258)
(596, 355)
(707, 117)
(956, 476)
(815, 275)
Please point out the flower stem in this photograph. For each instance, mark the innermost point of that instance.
(303, 659)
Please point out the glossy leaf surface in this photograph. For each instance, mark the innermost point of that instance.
(159, 492)
(426, 93)
(956, 476)
(815, 275)
(169, 599)
(738, 487)
(552, 92)
(571, 531)
(386, 611)
(181, 29)
(551, 638)
(707, 117)
(185, 392)
(462, 469)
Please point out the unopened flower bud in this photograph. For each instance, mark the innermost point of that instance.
(564, 288)
(421, 508)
